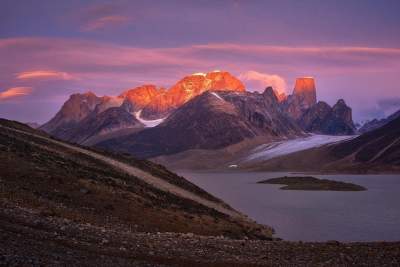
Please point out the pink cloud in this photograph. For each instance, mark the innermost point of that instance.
(15, 92)
(44, 74)
(257, 81)
(96, 17)
(251, 48)
(108, 68)
(105, 22)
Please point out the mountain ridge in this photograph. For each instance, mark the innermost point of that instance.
(151, 121)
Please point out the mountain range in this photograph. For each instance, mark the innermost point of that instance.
(202, 111)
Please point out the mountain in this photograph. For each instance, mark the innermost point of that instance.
(303, 97)
(375, 123)
(76, 108)
(324, 119)
(137, 98)
(202, 111)
(147, 103)
(94, 126)
(156, 102)
(374, 151)
(319, 117)
(190, 87)
(212, 120)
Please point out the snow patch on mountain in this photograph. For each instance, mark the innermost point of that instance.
(199, 74)
(275, 149)
(148, 123)
(217, 96)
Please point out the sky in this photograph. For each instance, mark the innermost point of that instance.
(52, 49)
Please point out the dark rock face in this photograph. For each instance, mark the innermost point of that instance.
(263, 113)
(375, 124)
(323, 119)
(211, 121)
(112, 119)
(343, 112)
(315, 117)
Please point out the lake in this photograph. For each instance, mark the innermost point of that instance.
(372, 215)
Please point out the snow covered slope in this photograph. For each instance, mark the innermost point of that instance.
(148, 123)
(275, 149)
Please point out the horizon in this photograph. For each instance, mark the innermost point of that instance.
(60, 48)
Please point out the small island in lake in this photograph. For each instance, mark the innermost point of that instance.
(312, 183)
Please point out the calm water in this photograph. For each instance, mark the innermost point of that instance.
(371, 215)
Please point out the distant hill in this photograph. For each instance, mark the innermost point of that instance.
(374, 151)
(375, 123)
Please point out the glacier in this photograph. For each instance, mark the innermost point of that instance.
(275, 149)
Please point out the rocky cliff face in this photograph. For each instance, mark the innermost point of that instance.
(343, 112)
(319, 117)
(324, 119)
(139, 97)
(303, 97)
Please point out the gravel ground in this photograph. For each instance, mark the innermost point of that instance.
(31, 239)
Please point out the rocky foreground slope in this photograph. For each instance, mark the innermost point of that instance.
(62, 205)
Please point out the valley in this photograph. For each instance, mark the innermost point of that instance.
(204, 133)
(92, 180)
(76, 205)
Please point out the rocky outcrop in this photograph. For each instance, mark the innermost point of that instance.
(315, 117)
(324, 119)
(303, 97)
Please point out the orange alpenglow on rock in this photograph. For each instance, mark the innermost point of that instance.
(304, 84)
(305, 87)
(143, 95)
(158, 101)
(197, 83)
